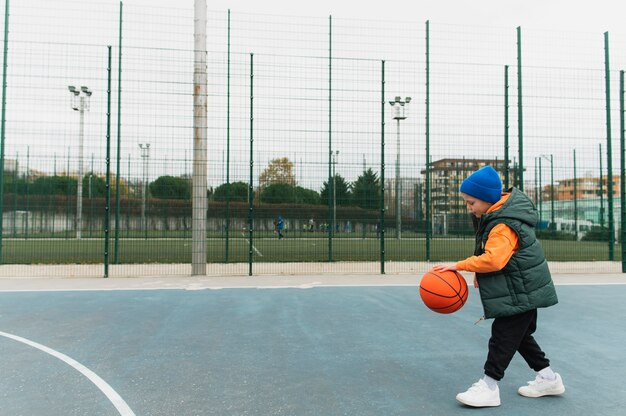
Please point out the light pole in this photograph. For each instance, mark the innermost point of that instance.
(399, 113)
(145, 155)
(334, 225)
(552, 223)
(80, 103)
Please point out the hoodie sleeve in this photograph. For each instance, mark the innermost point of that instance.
(502, 243)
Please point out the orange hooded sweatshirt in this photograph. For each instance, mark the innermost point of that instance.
(502, 242)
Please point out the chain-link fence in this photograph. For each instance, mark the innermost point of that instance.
(319, 133)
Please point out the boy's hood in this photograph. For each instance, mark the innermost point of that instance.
(514, 204)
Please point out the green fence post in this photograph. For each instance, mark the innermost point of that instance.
(382, 170)
(427, 219)
(609, 153)
(26, 178)
(601, 188)
(506, 127)
(2, 122)
(128, 207)
(250, 189)
(331, 183)
(540, 190)
(520, 113)
(622, 175)
(575, 199)
(107, 209)
(119, 141)
(227, 142)
(14, 216)
(553, 223)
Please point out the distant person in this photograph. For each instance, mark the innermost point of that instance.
(378, 229)
(512, 276)
(311, 225)
(280, 226)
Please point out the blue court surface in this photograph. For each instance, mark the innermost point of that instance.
(287, 351)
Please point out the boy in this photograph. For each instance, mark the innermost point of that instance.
(513, 279)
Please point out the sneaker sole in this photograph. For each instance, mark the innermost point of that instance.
(553, 392)
(483, 404)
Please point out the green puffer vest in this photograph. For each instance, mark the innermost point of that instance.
(525, 282)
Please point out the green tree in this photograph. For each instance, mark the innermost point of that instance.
(53, 185)
(306, 196)
(98, 186)
(238, 192)
(278, 193)
(342, 192)
(366, 190)
(170, 187)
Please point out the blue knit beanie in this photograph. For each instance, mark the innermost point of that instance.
(484, 184)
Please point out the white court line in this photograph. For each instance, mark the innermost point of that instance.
(108, 391)
(248, 241)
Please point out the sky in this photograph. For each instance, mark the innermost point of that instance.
(575, 15)
(471, 42)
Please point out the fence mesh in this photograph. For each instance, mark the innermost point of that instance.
(338, 172)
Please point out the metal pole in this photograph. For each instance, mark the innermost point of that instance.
(428, 226)
(199, 199)
(250, 188)
(382, 171)
(398, 208)
(536, 185)
(540, 191)
(601, 189)
(116, 258)
(330, 140)
(520, 118)
(227, 145)
(506, 127)
(622, 175)
(553, 225)
(575, 199)
(3, 119)
(609, 152)
(334, 190)
(107, 215)
(145, 148)
(79, 196)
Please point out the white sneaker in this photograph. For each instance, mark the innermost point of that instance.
(542, 387)
(480, 395)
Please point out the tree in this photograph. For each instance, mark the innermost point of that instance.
(98, 187)
(342, 191)
(306, 196)
(170, 187)
(279, 170)
(53, 185)
(278, 193)
(238, 192)
(366, 190)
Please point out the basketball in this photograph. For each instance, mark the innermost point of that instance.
(443, 292)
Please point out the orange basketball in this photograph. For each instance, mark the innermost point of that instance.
(443, 292)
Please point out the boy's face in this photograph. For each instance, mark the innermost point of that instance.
(477, 207)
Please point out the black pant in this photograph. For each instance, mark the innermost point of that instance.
(510, 334)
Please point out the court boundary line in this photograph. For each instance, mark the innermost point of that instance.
(117, 401)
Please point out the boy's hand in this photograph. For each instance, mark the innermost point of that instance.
(475, 281)
(444, 267)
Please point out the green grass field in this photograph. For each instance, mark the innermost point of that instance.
(153, 250)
